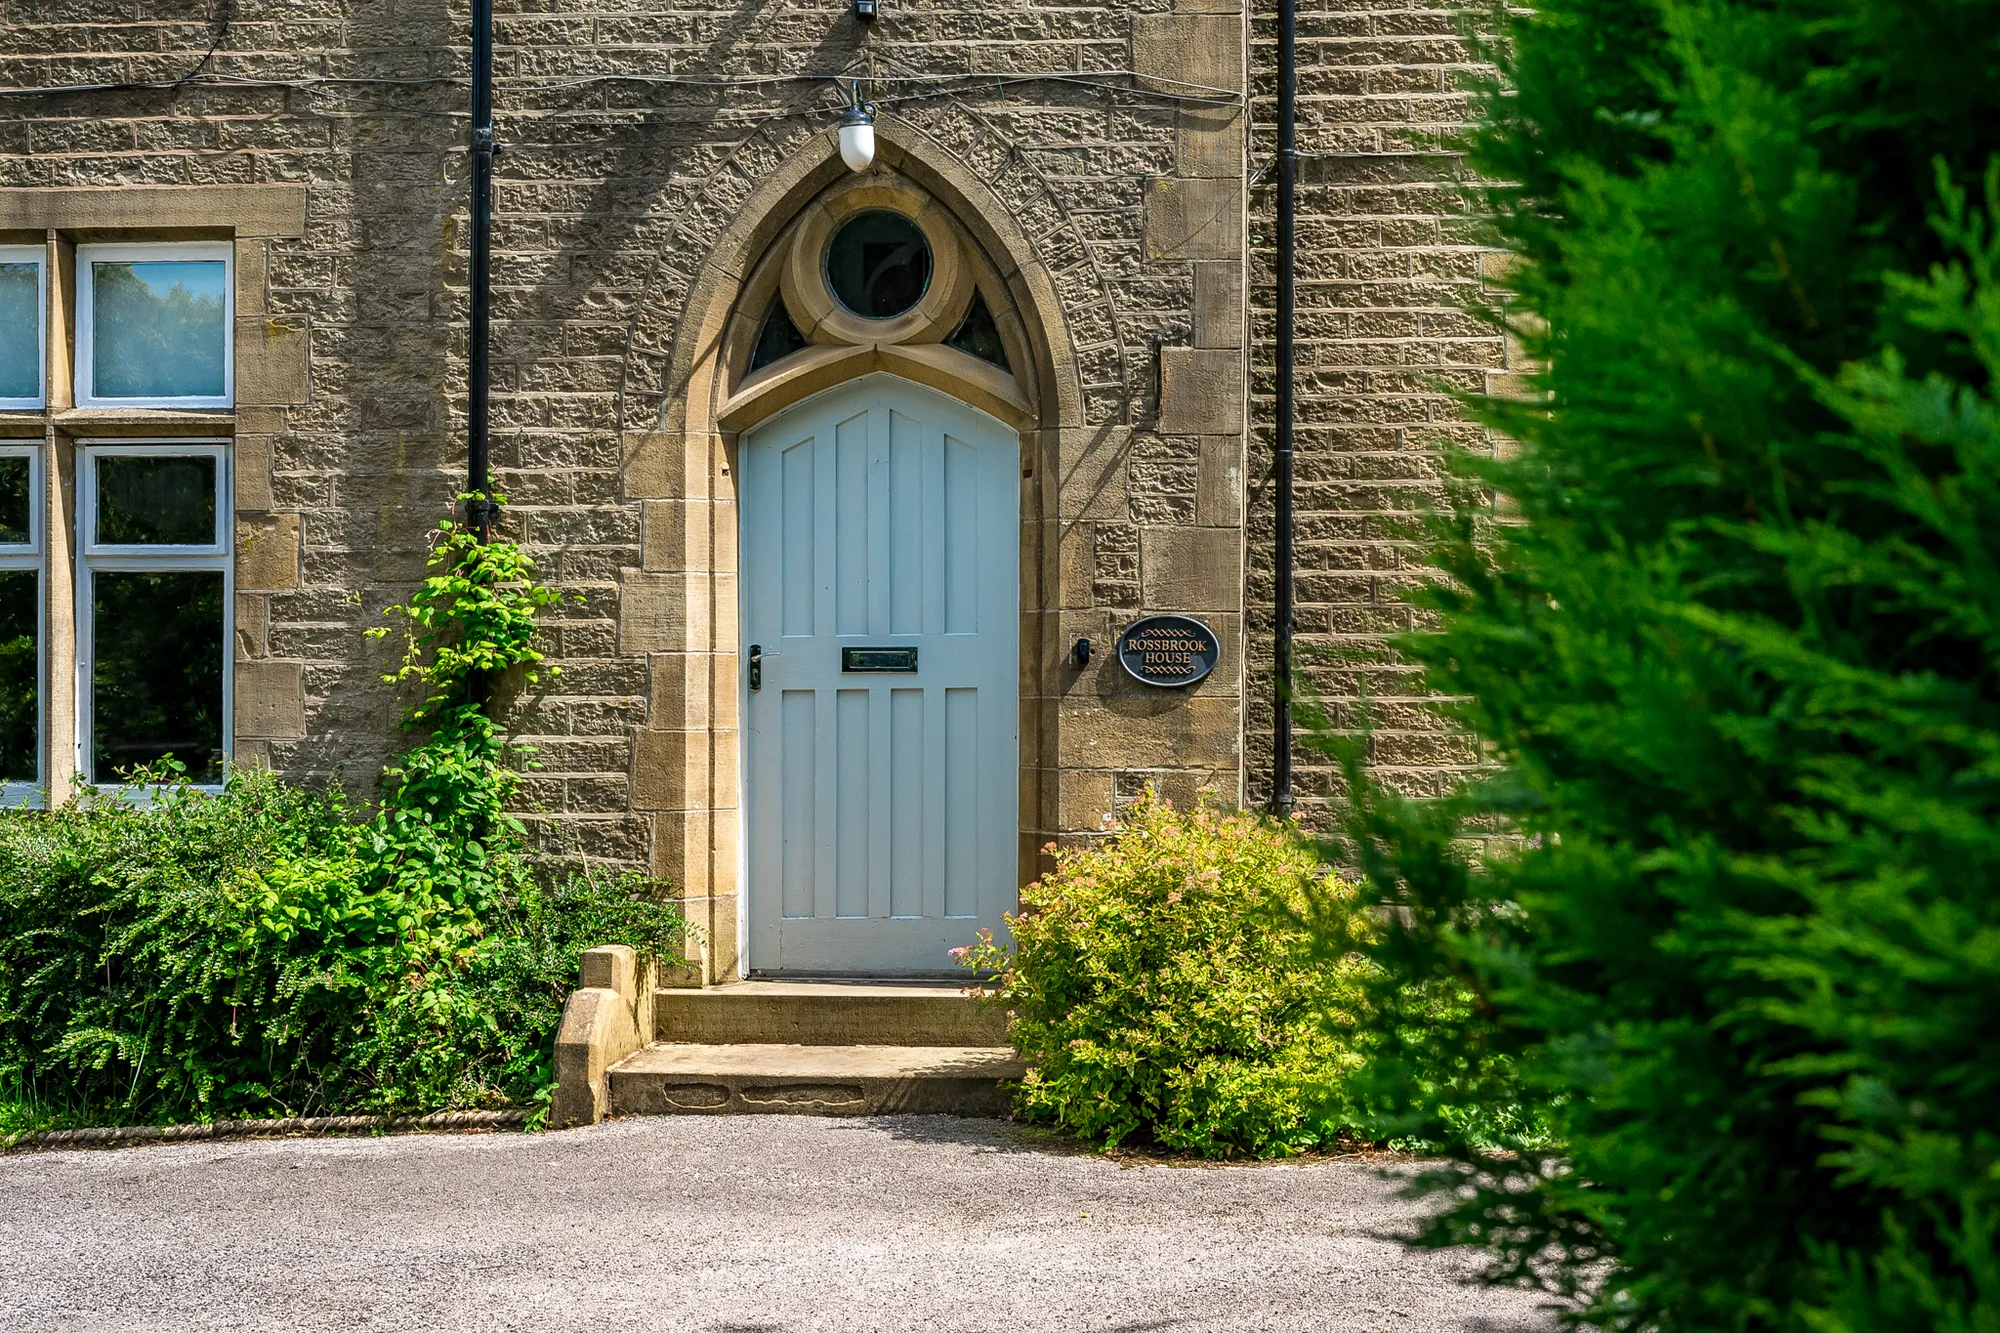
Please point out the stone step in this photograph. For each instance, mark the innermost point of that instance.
(700, 1078)
(827, 1013)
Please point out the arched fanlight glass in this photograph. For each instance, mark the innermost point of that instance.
(978, 334)
(778, 339)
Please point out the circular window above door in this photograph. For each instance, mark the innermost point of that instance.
(878, 264)
(873, 275)
(875, 261)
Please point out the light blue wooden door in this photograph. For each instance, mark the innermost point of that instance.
(880, 526)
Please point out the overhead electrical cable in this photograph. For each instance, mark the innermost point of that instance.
(923, 86)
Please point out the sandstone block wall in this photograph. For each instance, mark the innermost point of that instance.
(623, 163)
(1392, 280)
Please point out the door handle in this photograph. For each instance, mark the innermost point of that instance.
(756, 667)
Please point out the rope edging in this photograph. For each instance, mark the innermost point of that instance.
(114, 1135)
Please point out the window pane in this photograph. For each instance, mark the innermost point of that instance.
(14, 500)
(778, 339)
(156, 671)
(164, 501)
(979, 336)
(879, 264)
(20, 677)
(20, 331)
(157, 328)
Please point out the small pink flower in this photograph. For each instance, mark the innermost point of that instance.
(958, 954)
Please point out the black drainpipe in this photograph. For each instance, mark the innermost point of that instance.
(480, 511)
(1281, 473)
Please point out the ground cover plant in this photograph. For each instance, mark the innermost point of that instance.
(1738, 663)
(168, 953)
(1166, 993)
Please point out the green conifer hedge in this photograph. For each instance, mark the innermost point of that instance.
(1739, 664)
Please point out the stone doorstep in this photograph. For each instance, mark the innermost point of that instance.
(769, 1078)
(827, 1013)
(628, 1046)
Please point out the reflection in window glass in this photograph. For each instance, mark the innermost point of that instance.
(156, 671)
(20, 676)
(778, 339)
(879, 264)
(165, 501)
(978, 335)
(20, 331)
(157, 328)
(15, 500)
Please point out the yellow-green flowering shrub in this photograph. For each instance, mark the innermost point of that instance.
(1164, 991)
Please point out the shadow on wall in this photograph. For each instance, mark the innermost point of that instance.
(660, 135)
(379, 457)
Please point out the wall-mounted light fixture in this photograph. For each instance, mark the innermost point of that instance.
(857, 135)
(865, 10)
(1080, 653)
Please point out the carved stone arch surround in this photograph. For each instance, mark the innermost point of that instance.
(842, 345)
(685, 370)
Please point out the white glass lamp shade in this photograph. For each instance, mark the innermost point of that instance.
(857, 140)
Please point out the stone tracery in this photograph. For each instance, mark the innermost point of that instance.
(924, 340)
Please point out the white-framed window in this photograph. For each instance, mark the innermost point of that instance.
(155, 325)
(24, 326)
(155, 586)
(23, 623)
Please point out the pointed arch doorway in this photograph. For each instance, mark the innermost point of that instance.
(880, 632)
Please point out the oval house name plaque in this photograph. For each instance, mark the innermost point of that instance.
(1168, 650)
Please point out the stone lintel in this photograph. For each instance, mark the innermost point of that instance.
(246, 210)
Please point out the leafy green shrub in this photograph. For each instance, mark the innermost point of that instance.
(1739, 665)
(149, 971)
(134, 973)
(1163, 990)
(168, 953)
(483, 1033)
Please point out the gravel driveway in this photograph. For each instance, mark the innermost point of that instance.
(771, 1224)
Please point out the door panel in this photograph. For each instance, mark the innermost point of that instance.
(880, 809)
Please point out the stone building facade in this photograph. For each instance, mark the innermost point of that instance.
(1094, 176)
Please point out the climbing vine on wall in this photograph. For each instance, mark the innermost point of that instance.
(186, 954)
(443, 814)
